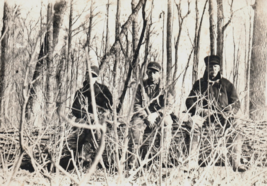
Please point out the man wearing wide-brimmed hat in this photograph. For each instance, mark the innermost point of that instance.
(213, 99)
(151, 107)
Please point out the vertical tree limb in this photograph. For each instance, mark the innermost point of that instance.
(107, 29)
(135, 57)
(169, 41)
(258, 70)
(212, 27)
(197, 43)
(4, 50)
(123, 32)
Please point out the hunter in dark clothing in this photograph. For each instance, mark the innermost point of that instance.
(103, 99)
(214, 99)
(217, 94)
(82, 106)
(149, 109)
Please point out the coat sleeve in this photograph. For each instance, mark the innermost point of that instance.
(233, 100)
(192, 98)
(168, 109)
(138, 108)
(77, 109)
(109, 98)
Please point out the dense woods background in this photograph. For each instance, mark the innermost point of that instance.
(45, 47)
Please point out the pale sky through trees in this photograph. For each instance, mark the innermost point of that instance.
(237, 31)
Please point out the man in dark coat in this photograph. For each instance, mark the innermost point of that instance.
(217, 92)
(214, 99)
(103, 96)
(149, 108)
(82, 109)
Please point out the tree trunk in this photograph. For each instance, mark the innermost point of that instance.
(107, 29)
(196, 47)
(249, 49)
(220, 33)
(35, 105)
(89, 34)
(70, 72)
(134, 27)
(169, 42)
(42, 77)
(258, 72)
(4, 50)
(117, 54)
(50, 66)
(136, 53)
(115, 87)
(135, 38)
(116, 44)
(196, 42)
(212, 27)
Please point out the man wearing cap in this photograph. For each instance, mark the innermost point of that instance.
(149, 107)
(82, 106)
(214, 98)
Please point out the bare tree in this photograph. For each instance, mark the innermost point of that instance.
(50, 86)
(220, 19)
(258, 72)
(89, 34)
(249, 48)
(107, 29)
(134, 27)
(197, 40)
(116, 45)
(70, 73)
(115, 85)
(54, 21)
(212, 27)
(169, 41)
(136, 53)
(180, 24)
(4, 49)
(221, 27)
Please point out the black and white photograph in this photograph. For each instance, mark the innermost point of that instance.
(133, 92)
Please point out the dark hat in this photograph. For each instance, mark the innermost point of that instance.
(154, 66)
(212, 60)
(94, 71)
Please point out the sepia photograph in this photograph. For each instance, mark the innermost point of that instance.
(133, 92)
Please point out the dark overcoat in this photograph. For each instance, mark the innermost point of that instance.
(221, 93)
(103, 98)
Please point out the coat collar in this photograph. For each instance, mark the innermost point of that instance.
(86, 85)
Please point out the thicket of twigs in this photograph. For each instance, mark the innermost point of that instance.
(44, 147)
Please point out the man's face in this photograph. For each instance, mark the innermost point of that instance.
(214, 69)
(94, 78)
(153, 76)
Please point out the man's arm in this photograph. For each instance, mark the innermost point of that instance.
(138, 107)
(192, 98)
(233, 100)
(168, 109)
(109, 98)
(77, 109)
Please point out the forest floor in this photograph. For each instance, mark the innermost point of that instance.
(216, 175)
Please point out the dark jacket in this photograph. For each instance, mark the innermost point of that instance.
(143, 100)
(103, 99)
(221, 92)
